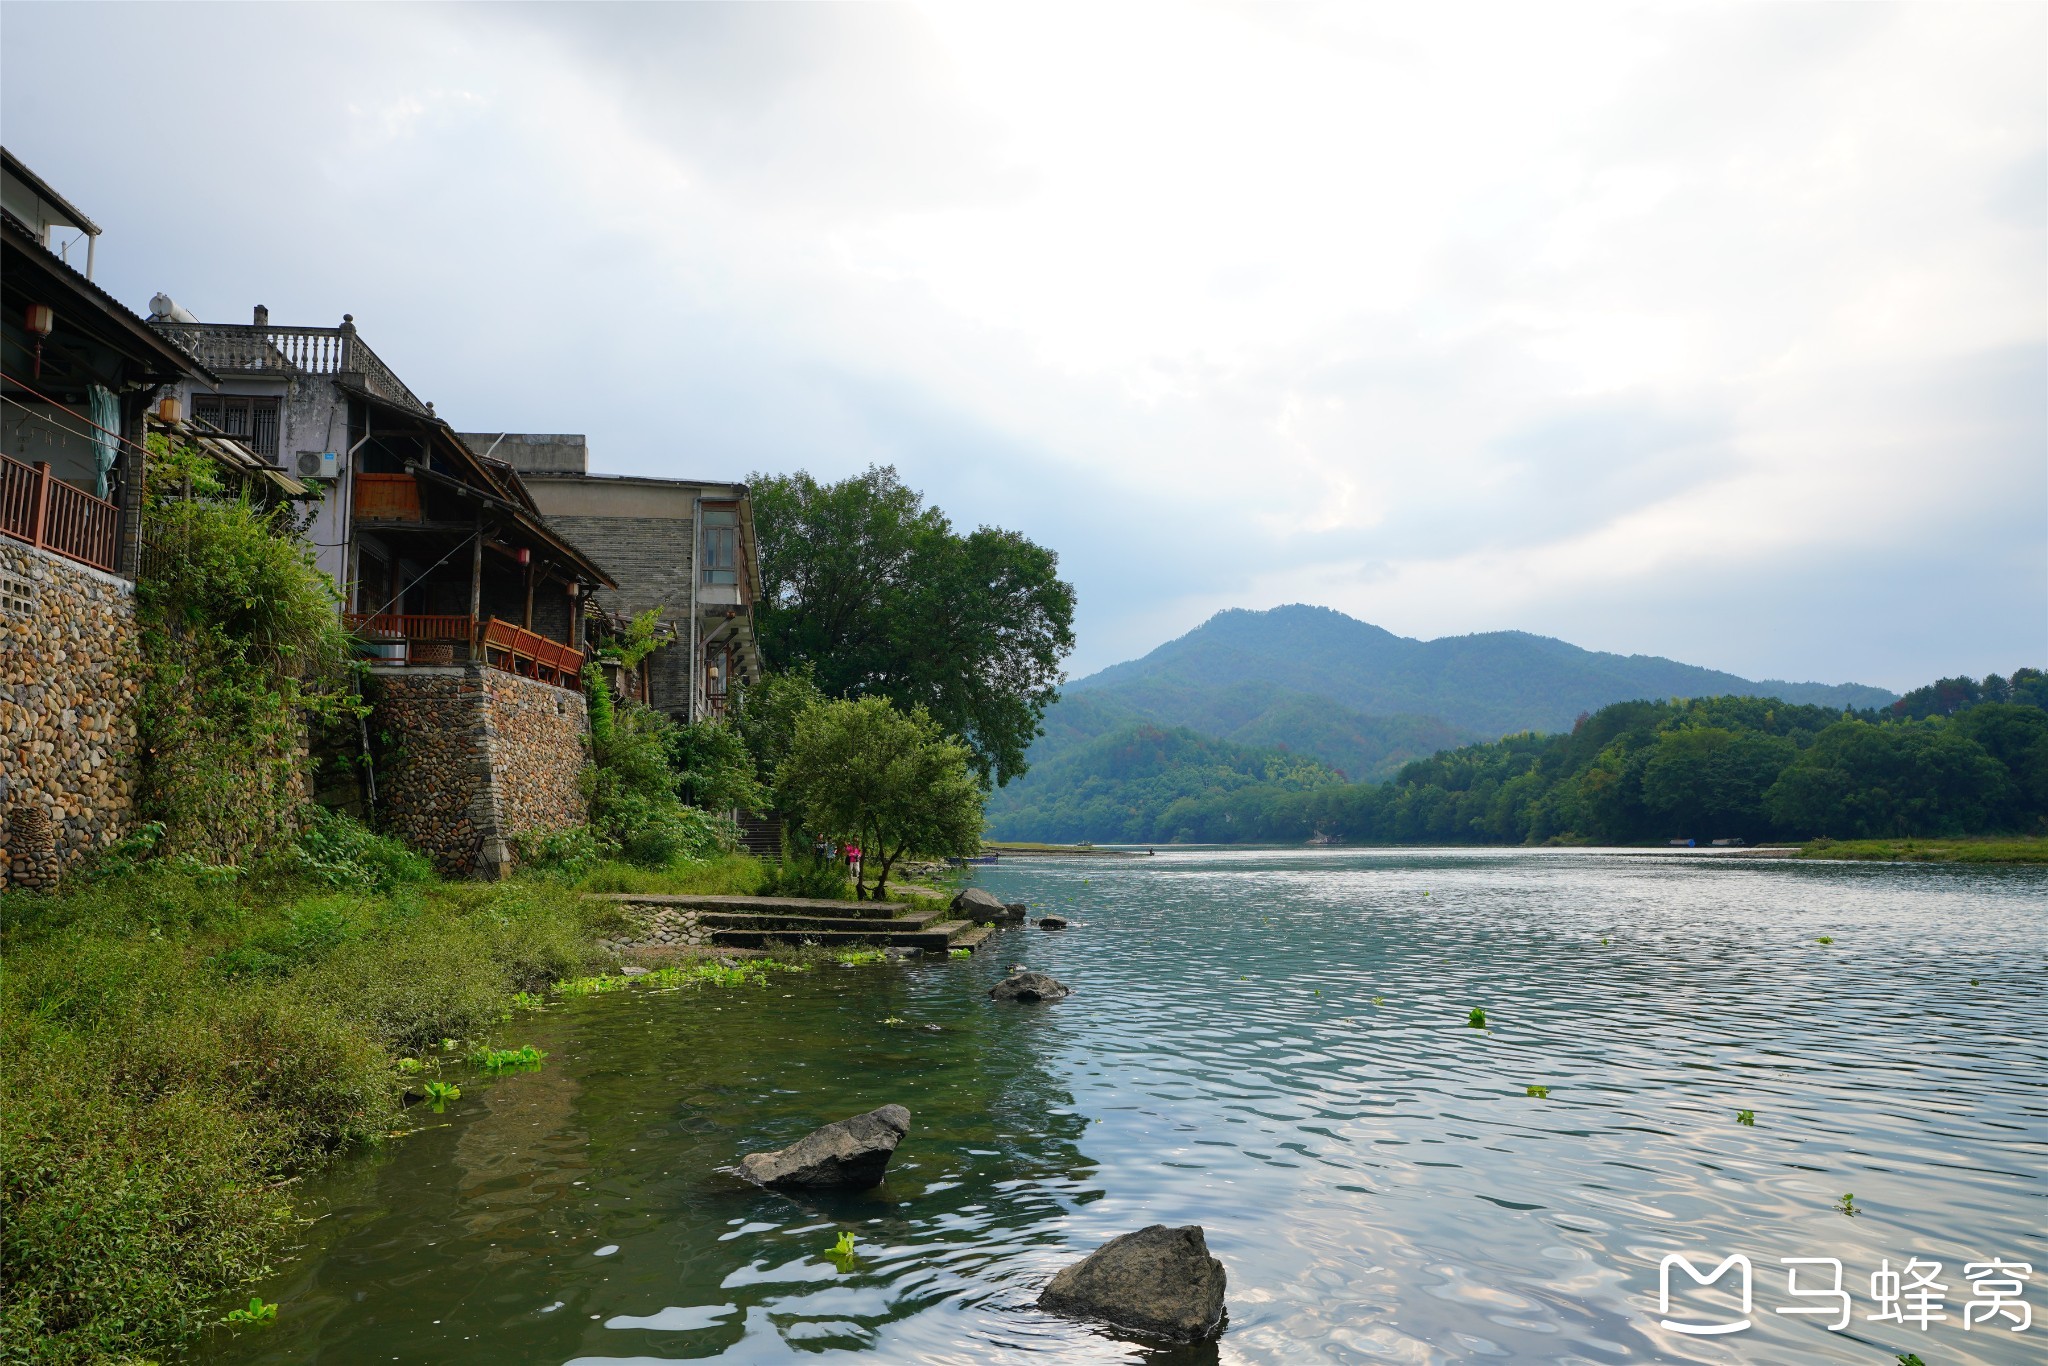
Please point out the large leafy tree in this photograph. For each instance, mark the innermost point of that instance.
(894, 783)
(881, 597)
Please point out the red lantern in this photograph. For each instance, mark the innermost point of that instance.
(42, 319)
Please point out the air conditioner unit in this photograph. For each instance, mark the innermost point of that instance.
(319, 465)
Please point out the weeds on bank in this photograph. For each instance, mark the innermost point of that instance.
(177, 1045)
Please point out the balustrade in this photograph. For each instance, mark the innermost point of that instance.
(52, 515)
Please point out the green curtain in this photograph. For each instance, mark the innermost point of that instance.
(105, 413)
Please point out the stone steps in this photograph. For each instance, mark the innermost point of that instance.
(771, 905)
(934, 938)
(803, 924)
(973, 938)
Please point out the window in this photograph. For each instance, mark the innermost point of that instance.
(721, 546)
(252, 421)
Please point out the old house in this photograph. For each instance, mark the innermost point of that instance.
(685, 546)
(77, 371)
(468, 603)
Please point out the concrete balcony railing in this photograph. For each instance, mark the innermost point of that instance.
(260, 349)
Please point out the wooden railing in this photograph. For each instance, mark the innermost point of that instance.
(413, 639)
(518, 650)
(52, 515)
(387, 498)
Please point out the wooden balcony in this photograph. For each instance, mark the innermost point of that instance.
(390, 639)
(58, 517)
(387, 498)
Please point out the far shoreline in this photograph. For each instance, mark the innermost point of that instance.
(2017, 850)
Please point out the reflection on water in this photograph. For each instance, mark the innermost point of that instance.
(1272, 1044)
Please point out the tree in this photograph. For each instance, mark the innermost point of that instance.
(764, 716)
(883, 598)
(716, 769)
(893, 783)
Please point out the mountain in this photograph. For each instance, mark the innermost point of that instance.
(1487, 685)
(1286, 699)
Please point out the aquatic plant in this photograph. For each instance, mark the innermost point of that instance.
(1539, 1092)
(257, 1315)
(1910, 1359)
(1375, 1000)
(1825, 939)
(1847, 1205)
(844, 1247)
(1746, 1117)
(591, 986)
(528, 1000)
(893, 1020)
(960, 953)
(853, 958)
(502, 1059)
(408, 1065)
(1477, 1019)
(1603, 943)
(448, 1045)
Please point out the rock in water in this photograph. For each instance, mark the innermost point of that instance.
(980, 907)
(1053, 922)
(1159, 1280)
(1030, 986)
(851, 1154)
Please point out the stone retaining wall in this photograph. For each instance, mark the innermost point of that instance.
(664, 927)
(474, 757)
(68, 684)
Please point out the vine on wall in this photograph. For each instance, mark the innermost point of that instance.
(242, 647)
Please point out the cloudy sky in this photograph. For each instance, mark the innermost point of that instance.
(1711, 331)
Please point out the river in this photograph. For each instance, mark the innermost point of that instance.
(1275, 1044)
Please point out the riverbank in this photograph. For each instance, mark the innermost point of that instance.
(1026, 849)
(181, 1045)
(1982, 849)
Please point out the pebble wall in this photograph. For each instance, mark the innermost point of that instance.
(474, 757)
(68, 686)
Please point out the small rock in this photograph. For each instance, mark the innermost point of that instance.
(1052, 922)
(632, 970)
(1159, 1280)
(1017, 910)
(851, 1154)
(903, 951)
(1030, 986)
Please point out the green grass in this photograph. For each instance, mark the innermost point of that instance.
(1992, 849)
(728, 875)
(177, 1045)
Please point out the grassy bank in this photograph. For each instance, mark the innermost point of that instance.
(1990, 849)
(177, 1044)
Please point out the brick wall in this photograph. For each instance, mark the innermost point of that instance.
(472, 758)
(67, 697)
(650, 557)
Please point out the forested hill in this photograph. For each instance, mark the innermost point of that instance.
(1955, 758)
(1480, 686)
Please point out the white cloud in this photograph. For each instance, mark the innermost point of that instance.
(1457, 317)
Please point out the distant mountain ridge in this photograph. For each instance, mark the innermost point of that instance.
(1485, 685)
(1267, 690)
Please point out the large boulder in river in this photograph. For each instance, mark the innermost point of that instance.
(1030, 986)
(981, 907)
(851, 1154)
(1159, 1281)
